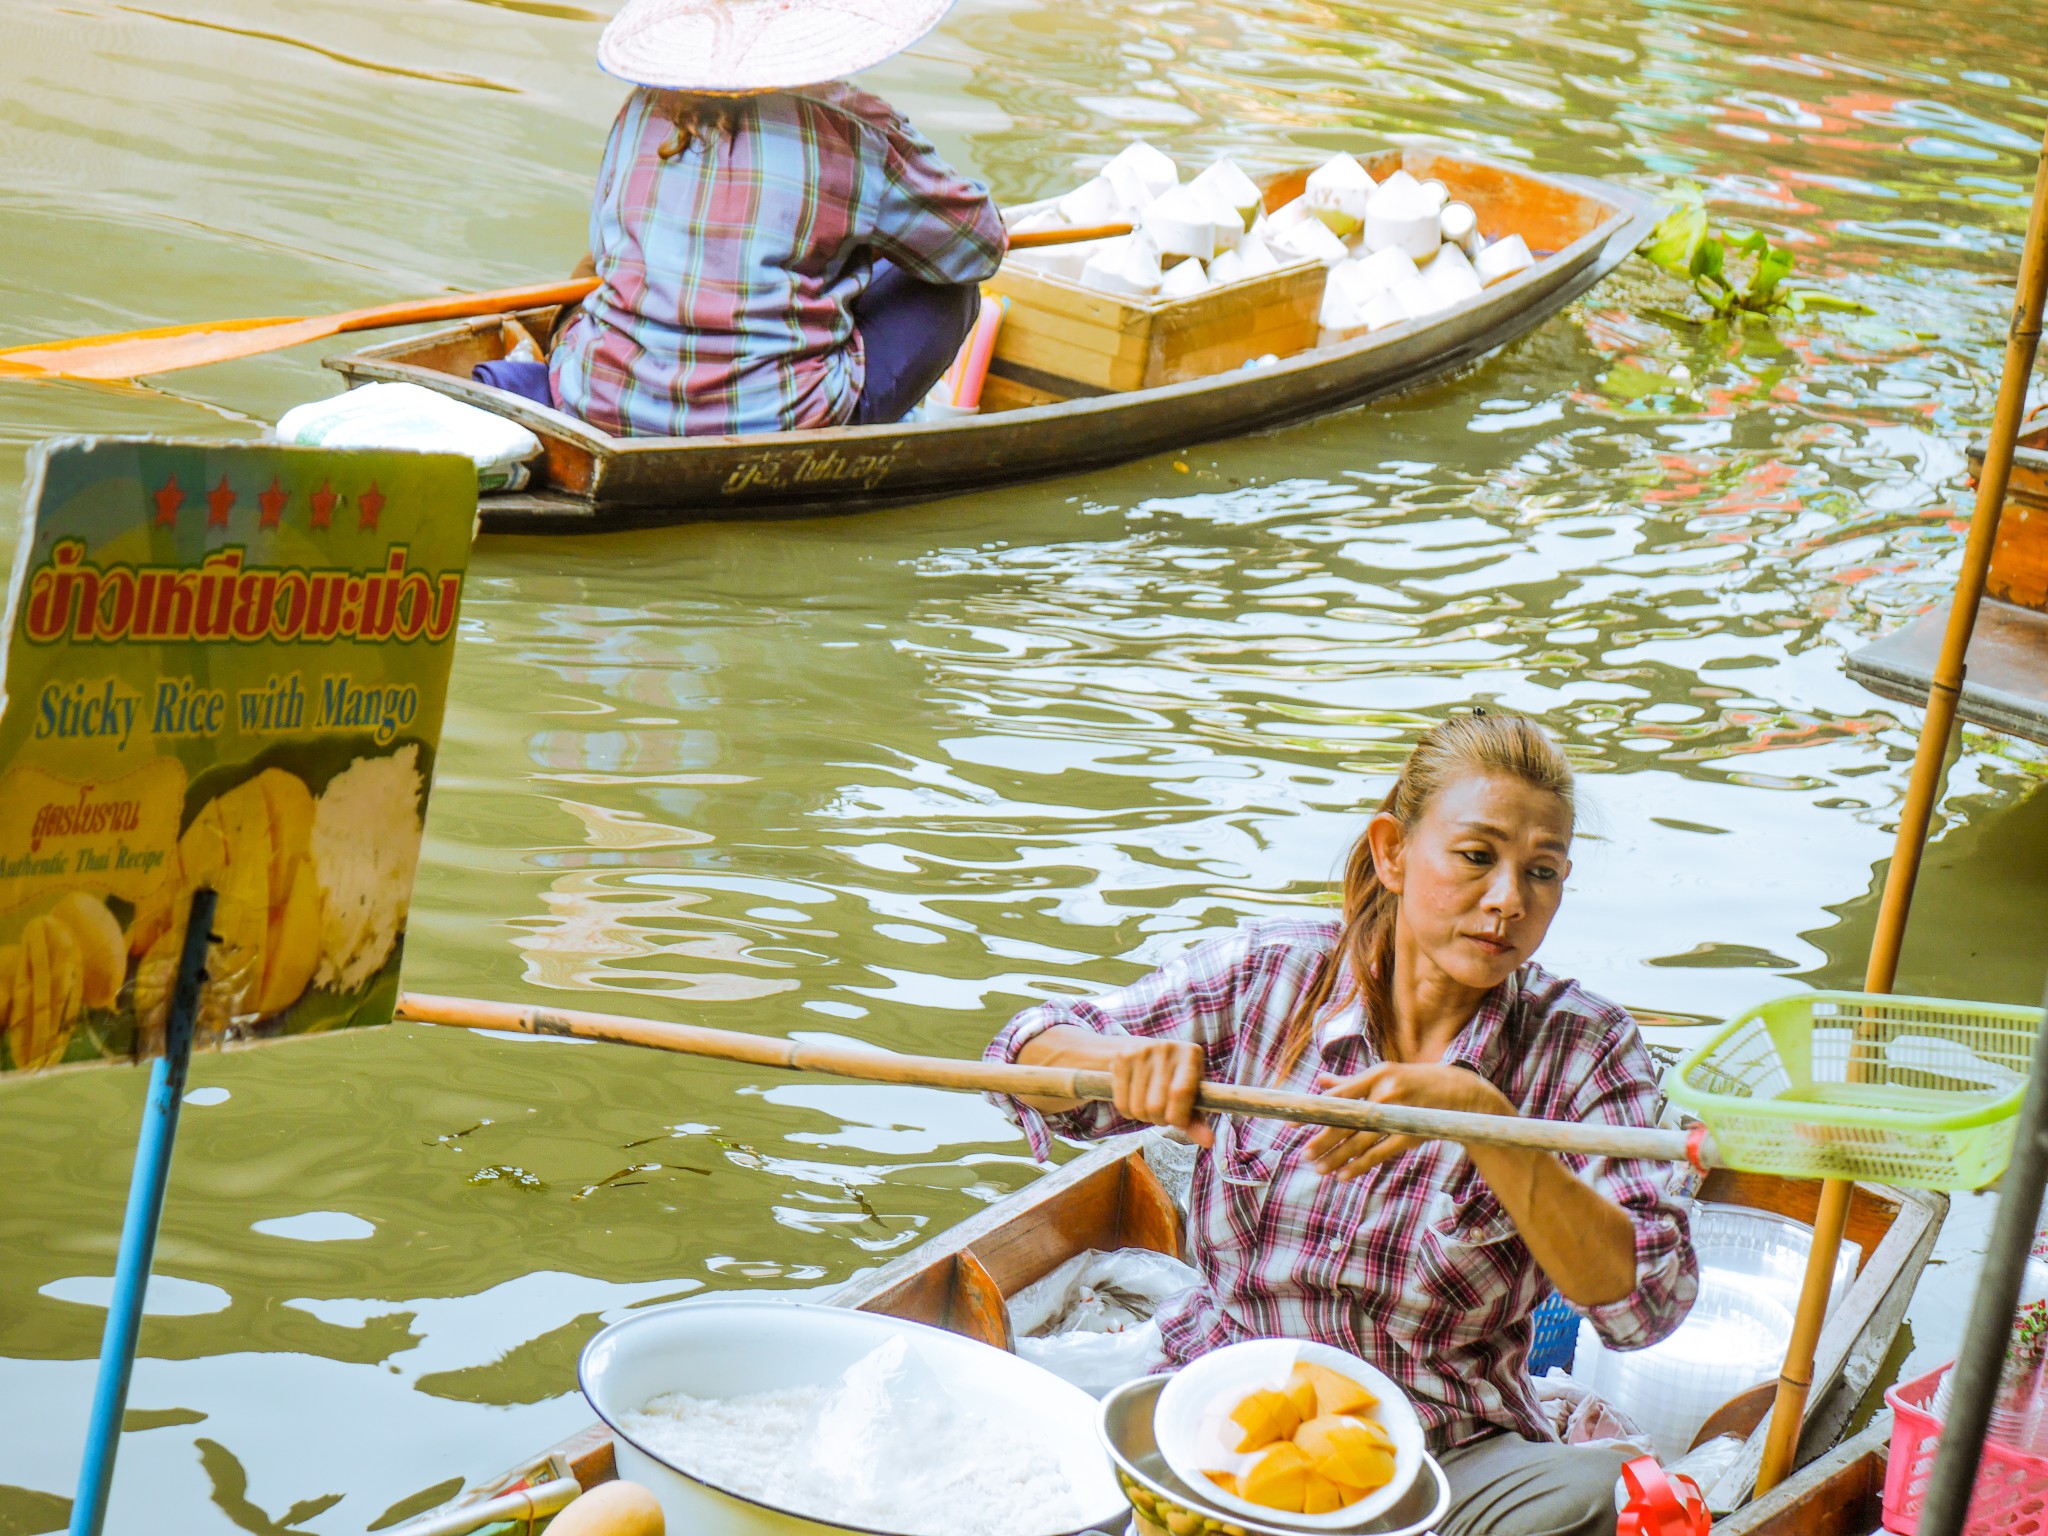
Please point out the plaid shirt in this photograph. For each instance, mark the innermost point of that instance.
(726, 273)
(1416, 1266)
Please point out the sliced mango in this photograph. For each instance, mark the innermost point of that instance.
(1318, 1437)
(1227, 1481)
(292, 948)
(102, 946)
(67, 972)
(1335, 1392)
(1301, 1391)
(10, 967)
(1357, 1460)
(1265, 1417)
(1278, 1479)
(290, 805)
(1320, 1496)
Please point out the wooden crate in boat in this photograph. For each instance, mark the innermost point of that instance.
(1061, 341)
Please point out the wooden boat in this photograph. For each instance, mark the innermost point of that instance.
(590, 481)
(1839, 1494)
(1111, 1198)
(2005, 681)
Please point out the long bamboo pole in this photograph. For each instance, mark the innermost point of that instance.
(1923, 789)
(165, 348)
(876, 1066)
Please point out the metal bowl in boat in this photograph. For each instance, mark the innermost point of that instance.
(1166, 1506)
(724, 1347)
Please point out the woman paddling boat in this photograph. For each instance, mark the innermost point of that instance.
(776, 250)
(1427, 1260)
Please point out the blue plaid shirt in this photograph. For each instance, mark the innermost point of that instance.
(726, 272)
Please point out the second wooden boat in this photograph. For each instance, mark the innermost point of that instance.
(2005, 678)
(1110, 1198)
(590, 481)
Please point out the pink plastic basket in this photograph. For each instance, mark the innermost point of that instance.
(2011, 1497)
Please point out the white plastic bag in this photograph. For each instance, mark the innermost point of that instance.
(1707, 1464)
(1579, 1416)
(412, 416)
(1090, 1321)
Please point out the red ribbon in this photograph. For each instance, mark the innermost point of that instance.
(1659, 1505)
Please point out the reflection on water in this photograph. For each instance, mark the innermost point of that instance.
(891, 777)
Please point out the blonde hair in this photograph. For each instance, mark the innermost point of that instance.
(1510, 745)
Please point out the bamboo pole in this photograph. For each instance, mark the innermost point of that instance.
(1923, 789)
(162, 349)
(876, 1066)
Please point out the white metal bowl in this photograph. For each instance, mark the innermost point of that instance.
(1166, 1506)
(1193, 1405)
(726, 1348)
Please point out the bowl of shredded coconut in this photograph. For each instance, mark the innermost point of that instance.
(747, 1417)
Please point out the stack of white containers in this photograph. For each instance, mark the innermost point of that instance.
(1396, 250)
(1189, 237)
(1752, 1265)
(1411, 250)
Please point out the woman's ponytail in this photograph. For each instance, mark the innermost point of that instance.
(693, 117)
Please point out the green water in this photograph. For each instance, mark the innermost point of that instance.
(890, 777)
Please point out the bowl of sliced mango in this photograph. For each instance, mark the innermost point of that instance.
(1290, 1432)
(1163, 1505)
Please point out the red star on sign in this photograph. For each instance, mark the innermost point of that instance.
(272, 502)
(168, 500)
(219, 502)
(322, 502)
(371, 502)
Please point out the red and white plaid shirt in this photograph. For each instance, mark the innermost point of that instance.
(1416, 1266)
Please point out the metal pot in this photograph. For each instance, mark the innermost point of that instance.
(719, 1348)
(1166, 1506)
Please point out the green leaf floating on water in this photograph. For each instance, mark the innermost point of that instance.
(1683, 245)
(1679, 233)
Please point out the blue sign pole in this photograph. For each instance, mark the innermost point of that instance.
(138, 1226)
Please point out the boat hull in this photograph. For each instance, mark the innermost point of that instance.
(594, 482)
(1110, 1198)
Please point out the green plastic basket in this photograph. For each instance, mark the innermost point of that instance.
(1917, 1091)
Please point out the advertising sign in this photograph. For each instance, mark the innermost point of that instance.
(225, 666)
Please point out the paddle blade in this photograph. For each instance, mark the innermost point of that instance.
(133, 353)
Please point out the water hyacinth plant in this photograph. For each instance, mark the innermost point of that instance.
(1736, 278)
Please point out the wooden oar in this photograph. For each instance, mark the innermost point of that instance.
(876, 1066)
(524, 1504)
(131, 354)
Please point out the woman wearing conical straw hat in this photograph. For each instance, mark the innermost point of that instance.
(775, 248)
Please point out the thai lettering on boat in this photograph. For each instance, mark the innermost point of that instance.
(787, 468)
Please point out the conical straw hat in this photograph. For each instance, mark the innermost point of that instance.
(735, 47)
